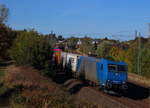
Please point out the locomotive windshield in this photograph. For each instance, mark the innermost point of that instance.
(122, 68)
(112, 68)
(117, 68)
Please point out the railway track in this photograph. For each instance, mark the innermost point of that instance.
(132, 99)
(131, 103)
(127, 101)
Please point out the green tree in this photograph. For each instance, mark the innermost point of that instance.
(6, 34)
(51, 38)
(87, 47)
(145, 61)
(30, 48)
(72, 42)
(132, 56)
(6, 39)
(104, 49)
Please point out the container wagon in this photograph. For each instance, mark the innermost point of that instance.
(69, 60)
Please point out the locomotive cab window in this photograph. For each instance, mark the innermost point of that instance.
(112, 68)
(117, 68)
(122, 68)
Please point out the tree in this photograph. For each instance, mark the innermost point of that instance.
(6, 34)
(86, 47)
(4, 12)
(72, 42)
(52, 39)
(33, 49)
(118, 53)
(103, 49)
(145, 61)
(132, 56)
(60, 38)
(6, 39)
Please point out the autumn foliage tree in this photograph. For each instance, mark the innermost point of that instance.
(117, 53)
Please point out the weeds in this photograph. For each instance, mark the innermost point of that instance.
(32, 90)
(25, 87)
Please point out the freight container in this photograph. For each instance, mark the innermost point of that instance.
(57, 53)
(63, 59)
(72, 60)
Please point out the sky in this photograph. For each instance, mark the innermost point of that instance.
(95, 18)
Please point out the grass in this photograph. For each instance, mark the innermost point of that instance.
(25, 87)
(2, 71)
(3, 89)
(3, 65)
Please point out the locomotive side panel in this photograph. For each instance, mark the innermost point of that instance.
(90, 71)
(87, 68)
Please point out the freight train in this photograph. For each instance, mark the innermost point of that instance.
(107, 74)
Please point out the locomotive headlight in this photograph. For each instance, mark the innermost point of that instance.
(124, 82)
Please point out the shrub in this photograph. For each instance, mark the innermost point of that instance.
(6, 39)
(31, 48)
(36, 90)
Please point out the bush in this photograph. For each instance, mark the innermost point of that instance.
(103, 49)
(31, 48)
(145, 63)
(36, 91)
(6, 39)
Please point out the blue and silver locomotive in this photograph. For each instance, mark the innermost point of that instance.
(107, 74)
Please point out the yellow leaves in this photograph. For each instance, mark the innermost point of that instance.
(114, 52)
(117, 53)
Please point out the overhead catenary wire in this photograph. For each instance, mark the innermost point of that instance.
(122, 35)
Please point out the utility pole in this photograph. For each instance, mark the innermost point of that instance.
(52, 32)
(148, 30)
(139, 54)
(136, 33)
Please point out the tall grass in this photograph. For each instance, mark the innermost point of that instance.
(35, 90)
